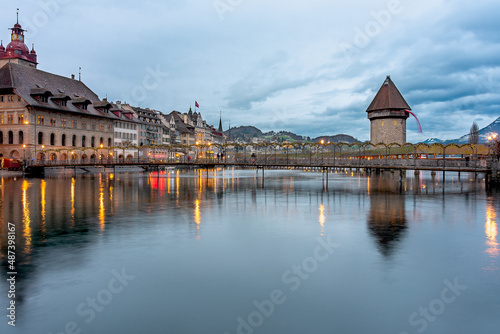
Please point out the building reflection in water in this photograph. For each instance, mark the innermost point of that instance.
(387, 217)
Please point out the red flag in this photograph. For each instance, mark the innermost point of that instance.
(196, 104)
(419, 127)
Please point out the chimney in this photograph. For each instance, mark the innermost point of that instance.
(73, 76)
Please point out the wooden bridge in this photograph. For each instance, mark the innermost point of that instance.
(443, 164)
(324, 156)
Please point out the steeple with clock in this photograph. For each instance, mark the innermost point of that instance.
(16, 51)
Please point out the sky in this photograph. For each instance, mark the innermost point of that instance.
(309, 67)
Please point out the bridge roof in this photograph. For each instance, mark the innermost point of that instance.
(388, 98)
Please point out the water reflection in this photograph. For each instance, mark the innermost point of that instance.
(26, 217)
(72, 215)
(387, 217)
(491, 229)
(322, 218)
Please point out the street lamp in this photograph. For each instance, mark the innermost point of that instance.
(491, 138)
(322, 142)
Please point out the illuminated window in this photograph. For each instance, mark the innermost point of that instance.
(20, 119)
(52, 121)
(63, 123)
(395, 123)
(10, 119)
(40, 120)
(382, 123)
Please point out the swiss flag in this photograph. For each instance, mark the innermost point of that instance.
(196, 104)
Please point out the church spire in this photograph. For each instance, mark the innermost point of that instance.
(220, 124)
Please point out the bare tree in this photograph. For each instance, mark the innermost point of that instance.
(474, 134)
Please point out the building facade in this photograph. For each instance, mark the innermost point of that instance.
(47, 116)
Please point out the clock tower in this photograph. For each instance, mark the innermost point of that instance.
(16, 51)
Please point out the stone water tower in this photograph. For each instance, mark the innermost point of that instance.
(387, 114)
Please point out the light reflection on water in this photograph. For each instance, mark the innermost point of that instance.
(204, 245)
(491, 229)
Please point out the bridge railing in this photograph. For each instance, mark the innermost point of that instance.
(281, 160)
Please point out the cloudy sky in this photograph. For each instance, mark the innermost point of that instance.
(311, 67)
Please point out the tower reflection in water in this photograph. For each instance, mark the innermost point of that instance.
(387, 217)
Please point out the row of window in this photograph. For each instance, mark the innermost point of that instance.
(10, 119)
(8, 98)
(52, 140)
(126, 125)
(74, 124)
(125, 135)
(10, 137)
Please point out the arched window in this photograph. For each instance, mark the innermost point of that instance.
(40, 138)
(109, 142)
(52, 139)
(83, 141)
(21, 137)
(11, 137)
(92, 142)
(63, 140)
(101, 141)
(73, 141)
(1, 137)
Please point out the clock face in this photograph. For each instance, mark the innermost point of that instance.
(20, 37)
(14, 37)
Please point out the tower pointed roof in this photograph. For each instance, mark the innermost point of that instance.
(388, 98)
(220, 124)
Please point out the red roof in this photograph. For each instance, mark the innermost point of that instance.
(388, 98)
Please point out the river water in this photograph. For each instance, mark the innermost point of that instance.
(231, 251)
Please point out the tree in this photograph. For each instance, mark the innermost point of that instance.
(474, 134)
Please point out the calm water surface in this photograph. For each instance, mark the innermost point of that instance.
(230, 252)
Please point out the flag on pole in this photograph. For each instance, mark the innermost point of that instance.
(196, 104)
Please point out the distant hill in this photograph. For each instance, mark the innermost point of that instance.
(431, 141)
(342, 138)
(243, 133)
(247, 133)
(483, 135)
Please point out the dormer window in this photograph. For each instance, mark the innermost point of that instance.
(60, 99)
(81, 102)
(103, 106)
(41, 94)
